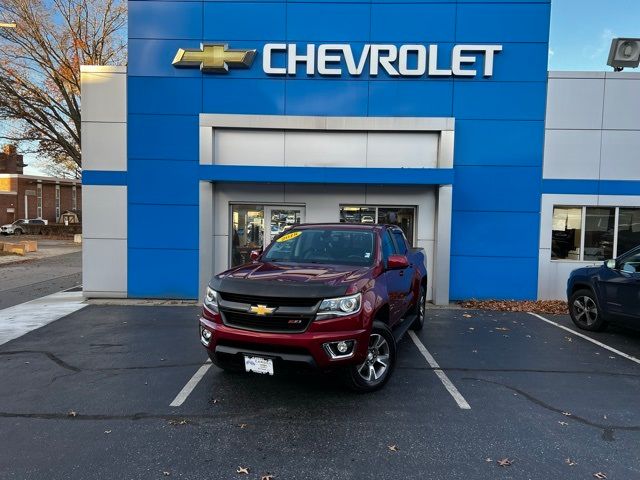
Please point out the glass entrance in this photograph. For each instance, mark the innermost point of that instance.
(254, 226)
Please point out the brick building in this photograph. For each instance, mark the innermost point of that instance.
(30, 196)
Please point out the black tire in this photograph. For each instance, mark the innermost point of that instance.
(585, 311)
(17, 231)
(373, 374)
(420, 309)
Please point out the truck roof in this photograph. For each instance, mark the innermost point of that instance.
(344, 226)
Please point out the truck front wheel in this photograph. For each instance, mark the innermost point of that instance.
(378, 366)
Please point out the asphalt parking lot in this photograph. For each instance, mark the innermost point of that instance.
(89, 396)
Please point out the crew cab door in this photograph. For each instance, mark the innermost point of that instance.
(406, 275)
(394, 280)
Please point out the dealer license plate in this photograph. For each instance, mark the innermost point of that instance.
(258, 365)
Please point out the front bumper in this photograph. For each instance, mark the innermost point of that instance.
(290, 351)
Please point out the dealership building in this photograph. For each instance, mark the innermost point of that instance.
(235, 120)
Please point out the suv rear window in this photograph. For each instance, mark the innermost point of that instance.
(340, 247)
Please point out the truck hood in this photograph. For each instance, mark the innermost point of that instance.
(288, 279)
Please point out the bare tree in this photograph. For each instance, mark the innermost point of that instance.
(40, 70)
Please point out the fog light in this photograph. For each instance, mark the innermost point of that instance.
(341, 349)
(205, 336)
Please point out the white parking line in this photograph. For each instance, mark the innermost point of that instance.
(191, 384)
(600, 344)
(451, 388)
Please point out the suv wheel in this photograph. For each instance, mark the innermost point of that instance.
(420, 309)
(584, 311)
(17, 231)
(375, 371)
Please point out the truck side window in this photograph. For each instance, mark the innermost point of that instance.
(388, 247)
(400, 242)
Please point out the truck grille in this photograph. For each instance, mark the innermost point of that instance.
(272, 323)
(269, 301)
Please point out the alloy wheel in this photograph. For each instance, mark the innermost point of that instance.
(376, 365)
(585, 310)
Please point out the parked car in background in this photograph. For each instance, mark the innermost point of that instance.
(18, 227)
(607, 293)
(366, 219)
(321, 297)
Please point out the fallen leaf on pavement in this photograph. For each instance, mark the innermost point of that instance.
(107, 431)
(505, 462)
(243, 425)
(466, 315)
(563, 423)
(178, 422)
(566, 414)
(502, 329)
(166, 474)
(488, 460)
(540, 306)
(242, 471)
(570, 462)
(72, 414)
(268, 476)
(393, 448)
(600, 475)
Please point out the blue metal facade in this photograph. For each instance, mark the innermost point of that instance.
(499, 121)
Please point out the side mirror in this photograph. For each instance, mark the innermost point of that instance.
(610, 264)
(255, 254)
(397, 262)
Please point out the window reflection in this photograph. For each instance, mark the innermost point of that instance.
(598, 235)
(248, 232)
(403, 217)
(628, 229)
(566, 233)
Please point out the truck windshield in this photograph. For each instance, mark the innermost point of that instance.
(341, 247)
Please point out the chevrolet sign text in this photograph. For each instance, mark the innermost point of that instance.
(405, 61)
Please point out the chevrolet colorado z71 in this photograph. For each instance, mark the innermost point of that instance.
(330, 296)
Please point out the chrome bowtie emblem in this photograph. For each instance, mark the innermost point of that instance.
(261, 310)
(213, 57)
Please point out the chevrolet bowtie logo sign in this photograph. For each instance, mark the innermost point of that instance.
(261, 310)
(215, 58)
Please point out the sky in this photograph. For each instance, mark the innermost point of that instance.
(581, 33)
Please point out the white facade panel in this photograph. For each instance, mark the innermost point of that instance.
(104, 95)
(572, 154)
(621, 154)
(323, 201)
(104, 267)
(248, 147)
(575, 103)
(402, 150)
(104, 146)
(325, 149)
(622, 104)
(104, 209)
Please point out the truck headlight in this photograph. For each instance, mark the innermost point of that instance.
(211, 300)
(340, 306)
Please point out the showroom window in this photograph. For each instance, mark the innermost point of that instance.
(593, 233)
(404, 217)
(254, 226)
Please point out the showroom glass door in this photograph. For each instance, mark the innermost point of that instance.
(254, 226)
(281, 218)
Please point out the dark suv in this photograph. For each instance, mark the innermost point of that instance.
(606, 293)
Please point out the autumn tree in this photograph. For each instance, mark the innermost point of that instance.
(40, 71)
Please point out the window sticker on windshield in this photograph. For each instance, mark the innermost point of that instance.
(288, 236)
(367, 255)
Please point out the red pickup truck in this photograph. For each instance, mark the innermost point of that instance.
(330, 296)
